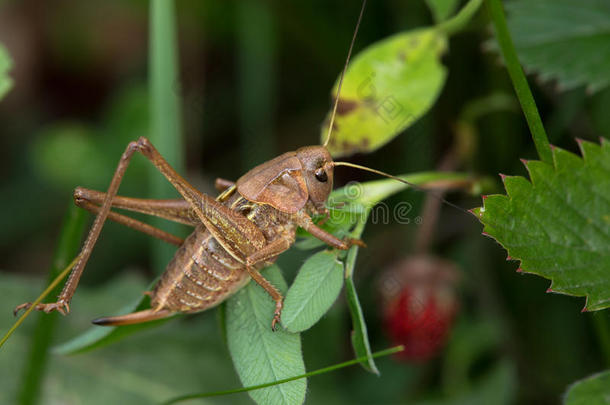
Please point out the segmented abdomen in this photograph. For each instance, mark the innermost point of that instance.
(201, 275)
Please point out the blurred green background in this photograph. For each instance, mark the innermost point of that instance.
(254, 82)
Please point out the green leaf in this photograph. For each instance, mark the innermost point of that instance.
(6, 83)
(100, 336)
(594, 389)
(186, 356)
(259, 354)
(362, 197)
(558, 224)
(313, 291)
(386, 88)
(356, 202)
(565, 40)
(442, 9)
(360, 337)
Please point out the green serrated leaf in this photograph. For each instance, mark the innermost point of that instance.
(386, 88)
(6, 83)
(313, 291)
(558, 224)
(259, 354)
(565, 40)
(594, 389)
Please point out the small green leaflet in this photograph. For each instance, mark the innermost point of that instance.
(259, 354)
(386, 88)
(313, 291)
(565, 40)
(558, 224)
(594, 389)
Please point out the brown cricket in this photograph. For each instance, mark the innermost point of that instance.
(236, 234)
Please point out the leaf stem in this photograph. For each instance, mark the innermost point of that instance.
(459, 21)
(324, 370)
(524, 93)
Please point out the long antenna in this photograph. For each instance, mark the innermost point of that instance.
(349, 54)
(415, 186)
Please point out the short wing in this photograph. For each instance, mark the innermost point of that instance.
(237, 235)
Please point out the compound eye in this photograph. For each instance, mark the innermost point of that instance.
(321, 175)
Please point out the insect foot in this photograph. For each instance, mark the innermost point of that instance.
(277, 314)
(351, 242)
(60, 306)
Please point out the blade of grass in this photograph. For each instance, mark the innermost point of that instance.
(524, 94)
(37, 301)
(67, 247)
(256, 77)
(165, 119)
(324, 370)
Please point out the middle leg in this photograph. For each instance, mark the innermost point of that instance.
(266, 253)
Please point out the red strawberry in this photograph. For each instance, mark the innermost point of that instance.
(419, 305)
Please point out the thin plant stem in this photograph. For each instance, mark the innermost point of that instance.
(324, 370)
(41, 297)
(461, 19)
(165, 114)
(256, 78)
(36, 363)
(524, 93)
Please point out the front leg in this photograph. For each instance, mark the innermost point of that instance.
(305, 222)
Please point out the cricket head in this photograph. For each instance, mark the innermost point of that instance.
(318, 174)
